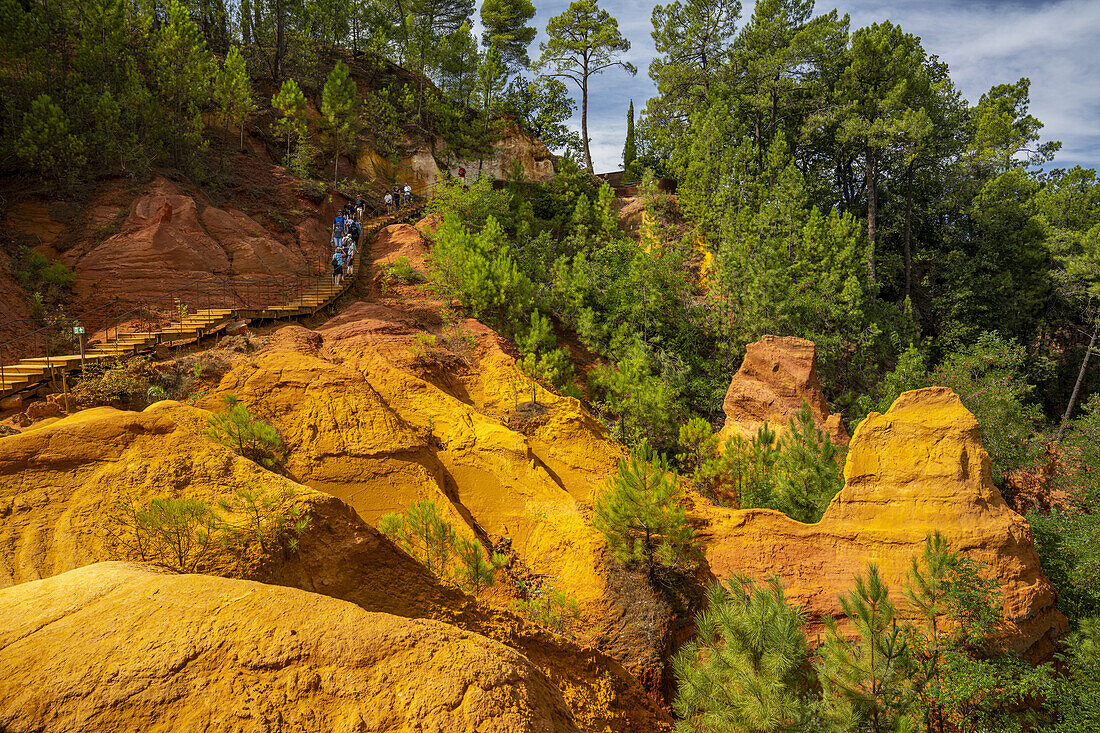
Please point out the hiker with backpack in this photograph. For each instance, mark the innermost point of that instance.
(337, 266)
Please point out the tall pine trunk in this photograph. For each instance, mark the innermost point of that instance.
(872, 206)
(1080, 380)
(908, 228)
(584, 120)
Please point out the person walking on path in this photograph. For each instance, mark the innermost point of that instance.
(337, 267)
(408, 194)
(388, 200)
(397, 196)
(462, 175)
(360, 207)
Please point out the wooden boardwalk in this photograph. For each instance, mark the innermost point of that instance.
(33, 372)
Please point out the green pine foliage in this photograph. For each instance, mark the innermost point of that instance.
(178, 532)
(867, 683)
(423, 532)
(253, 439)
(290, 103)
(46, 142)
(233, 91)
(748, 667)
(639, 514)
(505, 23)
(270, 519)
(339, 106)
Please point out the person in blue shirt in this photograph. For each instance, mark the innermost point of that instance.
(337, 267)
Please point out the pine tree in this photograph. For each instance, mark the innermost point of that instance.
(46, 142)
(505, 23)
(234, 90)
(808, 470)
(584, 41)
(630, 150)
(640, 515)
(183, 68)
(747, 669)
(290, 103)
(867, 683)
(422, 531)
(338, 105)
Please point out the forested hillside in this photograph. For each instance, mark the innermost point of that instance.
(803, 202)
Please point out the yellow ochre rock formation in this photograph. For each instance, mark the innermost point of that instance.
(58, 480)
(917, 469)
(776, 376)
(121, 646)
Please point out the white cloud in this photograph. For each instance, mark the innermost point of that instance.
(1055, 43)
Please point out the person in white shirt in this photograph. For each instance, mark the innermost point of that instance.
(388, 199)
(408, 194)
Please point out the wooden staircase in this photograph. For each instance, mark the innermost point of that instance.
(31, 372)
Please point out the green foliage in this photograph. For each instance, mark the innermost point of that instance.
(747, 669)
(550, 608)
(271, 519)
(1075, 696)
(422, 532)
(178, 532)
(543, 106)
(867, 683)
(118, 383)
(237, 430)
(505, 23)
(630, 148)
(479, 270)
(798, 474)
(46, 143)
(33, 271)
(1068, 543)
(583, 40)
(183, 69)
(233, 90)
(290, 103)
(639, 514)
(401, 271)
(339, 102)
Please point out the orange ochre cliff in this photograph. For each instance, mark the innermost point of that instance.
(385, 404)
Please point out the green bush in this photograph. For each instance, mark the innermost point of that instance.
(639, 514)
(403, 272)
(798, 474)
(117, 383)
(238, 431)
(180, 533)
(549, 608)
(270, 519)
(457, 559)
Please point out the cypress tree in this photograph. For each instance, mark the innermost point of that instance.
(630, 151)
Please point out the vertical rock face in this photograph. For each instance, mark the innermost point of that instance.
(775, 378)
(917, 469)
(120, 646)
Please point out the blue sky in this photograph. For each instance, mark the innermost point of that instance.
(1056, 43)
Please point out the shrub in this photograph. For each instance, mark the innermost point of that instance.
(549, 608)
(639, 514)
(459, 560)
(122, 383)
(403, 272)
(266, 518)
(798, 474)
(182, 533)
(177, 532)
(747, 667)
(252, 439)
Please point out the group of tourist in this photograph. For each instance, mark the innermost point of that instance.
(394, 200)
(346, 229)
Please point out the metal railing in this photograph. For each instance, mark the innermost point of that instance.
(161, 316)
